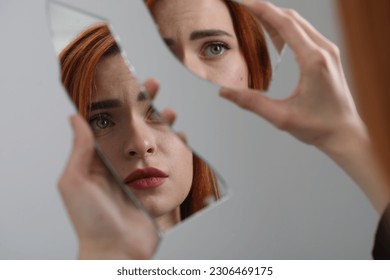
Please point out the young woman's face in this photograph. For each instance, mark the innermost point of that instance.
(201, 34)
(149, 157)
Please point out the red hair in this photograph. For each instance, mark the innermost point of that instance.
(252, 43)
(78, 66)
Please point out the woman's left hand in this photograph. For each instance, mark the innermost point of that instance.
(321, 110)
(321, 107)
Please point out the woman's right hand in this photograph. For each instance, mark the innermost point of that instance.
(106, 221)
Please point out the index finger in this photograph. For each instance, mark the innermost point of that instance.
(289, 28)
(77, 167)
(151, 86)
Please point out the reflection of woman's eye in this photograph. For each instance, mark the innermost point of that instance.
(153, 115)
(214, 49)
(100, 122)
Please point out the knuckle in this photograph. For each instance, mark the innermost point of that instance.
(286, 21)
(292, 13)
(67, 182)
(283, 122)
(234, 98)
(246, 104)
(319, 59)
(334, 50)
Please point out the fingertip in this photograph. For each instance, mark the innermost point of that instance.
(152, 86)
(72, 121)
(82, 133)
(75, 121)
(153, 81)
(82, 148)
(169, 115)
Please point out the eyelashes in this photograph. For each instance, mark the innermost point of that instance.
(214, 49)
(102, 121)
(211, 50)
(153, 115)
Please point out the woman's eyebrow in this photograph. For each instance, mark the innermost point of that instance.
(104, 104)
(199, 34)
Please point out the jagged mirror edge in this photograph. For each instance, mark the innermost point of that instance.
(86, 20)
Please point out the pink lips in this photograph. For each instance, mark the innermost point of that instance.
(146, 178)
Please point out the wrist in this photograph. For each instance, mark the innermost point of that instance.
(350, 140)
(352, 150)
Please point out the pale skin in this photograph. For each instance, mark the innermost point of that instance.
(320, 112)
(133, 136)
(107, 224)
(201, 35)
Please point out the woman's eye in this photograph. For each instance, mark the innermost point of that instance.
(216, 49)
(100, 122)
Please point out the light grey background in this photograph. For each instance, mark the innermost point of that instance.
(288, 200)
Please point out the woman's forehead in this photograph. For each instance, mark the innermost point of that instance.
(113, 79)
(190, 15)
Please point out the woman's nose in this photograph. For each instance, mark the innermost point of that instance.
(141, 142)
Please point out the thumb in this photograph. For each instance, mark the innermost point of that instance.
(273, 111)
(169, 116)
(152, 86)
(83, 146)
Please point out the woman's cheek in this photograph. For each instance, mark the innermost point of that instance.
(233, 72)
(182, 165)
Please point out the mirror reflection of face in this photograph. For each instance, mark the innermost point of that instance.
(169, 179)
(201, 34)
(149, 157)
